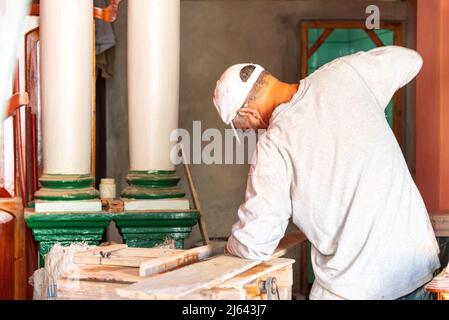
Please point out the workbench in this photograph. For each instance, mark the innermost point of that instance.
(203, 273)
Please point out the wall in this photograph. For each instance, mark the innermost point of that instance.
(216, 34)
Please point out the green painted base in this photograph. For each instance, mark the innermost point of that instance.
(49, 229)
(152, 185)
(148, 229)
(66, 188)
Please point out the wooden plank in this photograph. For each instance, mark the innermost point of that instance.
(123, 261)
(111, 261)
(105, 249)
(342, 24)
(90, 284)
(88, 290)
(290, 241)
(103, 273)
(217, 294)
(180, 282)
(68, 295)
(145, 252)
(249, 289)
(80, 259)
(257, 272)
(374, 38)
(121, 255)
(20, 249)
(93, 256)
(177, 259)
(323, 37)
(304, 48)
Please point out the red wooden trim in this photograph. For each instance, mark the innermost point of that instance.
(7, 260)
(432, 105)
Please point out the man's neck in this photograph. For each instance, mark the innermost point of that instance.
(283, 92)
(280, 93)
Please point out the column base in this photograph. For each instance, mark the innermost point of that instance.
(66, 188)
(65, 229)
(152, 185)
(150, 228)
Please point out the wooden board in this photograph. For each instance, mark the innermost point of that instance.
(89, 282)
(121, 255)
(88, 290)
(111, 261)
(180, 282)
(288, 242)
(259, 271)
(147, 253)
(104, 273)
(105, 249)
(177, 259)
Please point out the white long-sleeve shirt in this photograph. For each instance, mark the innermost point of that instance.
(331, 162)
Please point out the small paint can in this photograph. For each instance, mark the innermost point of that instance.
(107, 189)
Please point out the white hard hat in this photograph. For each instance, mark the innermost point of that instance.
(231, 91)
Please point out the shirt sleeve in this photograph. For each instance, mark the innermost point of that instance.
(264, 216)
(386, 69)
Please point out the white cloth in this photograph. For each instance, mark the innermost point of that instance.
(5, 217)
(330, 161)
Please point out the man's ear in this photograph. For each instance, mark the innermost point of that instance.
(250, 112)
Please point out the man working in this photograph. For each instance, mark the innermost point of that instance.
(330, 161)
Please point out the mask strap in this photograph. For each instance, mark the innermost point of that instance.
(235, 132)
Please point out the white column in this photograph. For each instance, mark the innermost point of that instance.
(66, 82)
(153, 81)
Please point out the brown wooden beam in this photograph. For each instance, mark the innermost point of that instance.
(323, 37)
(339, 24)
(375, 38)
